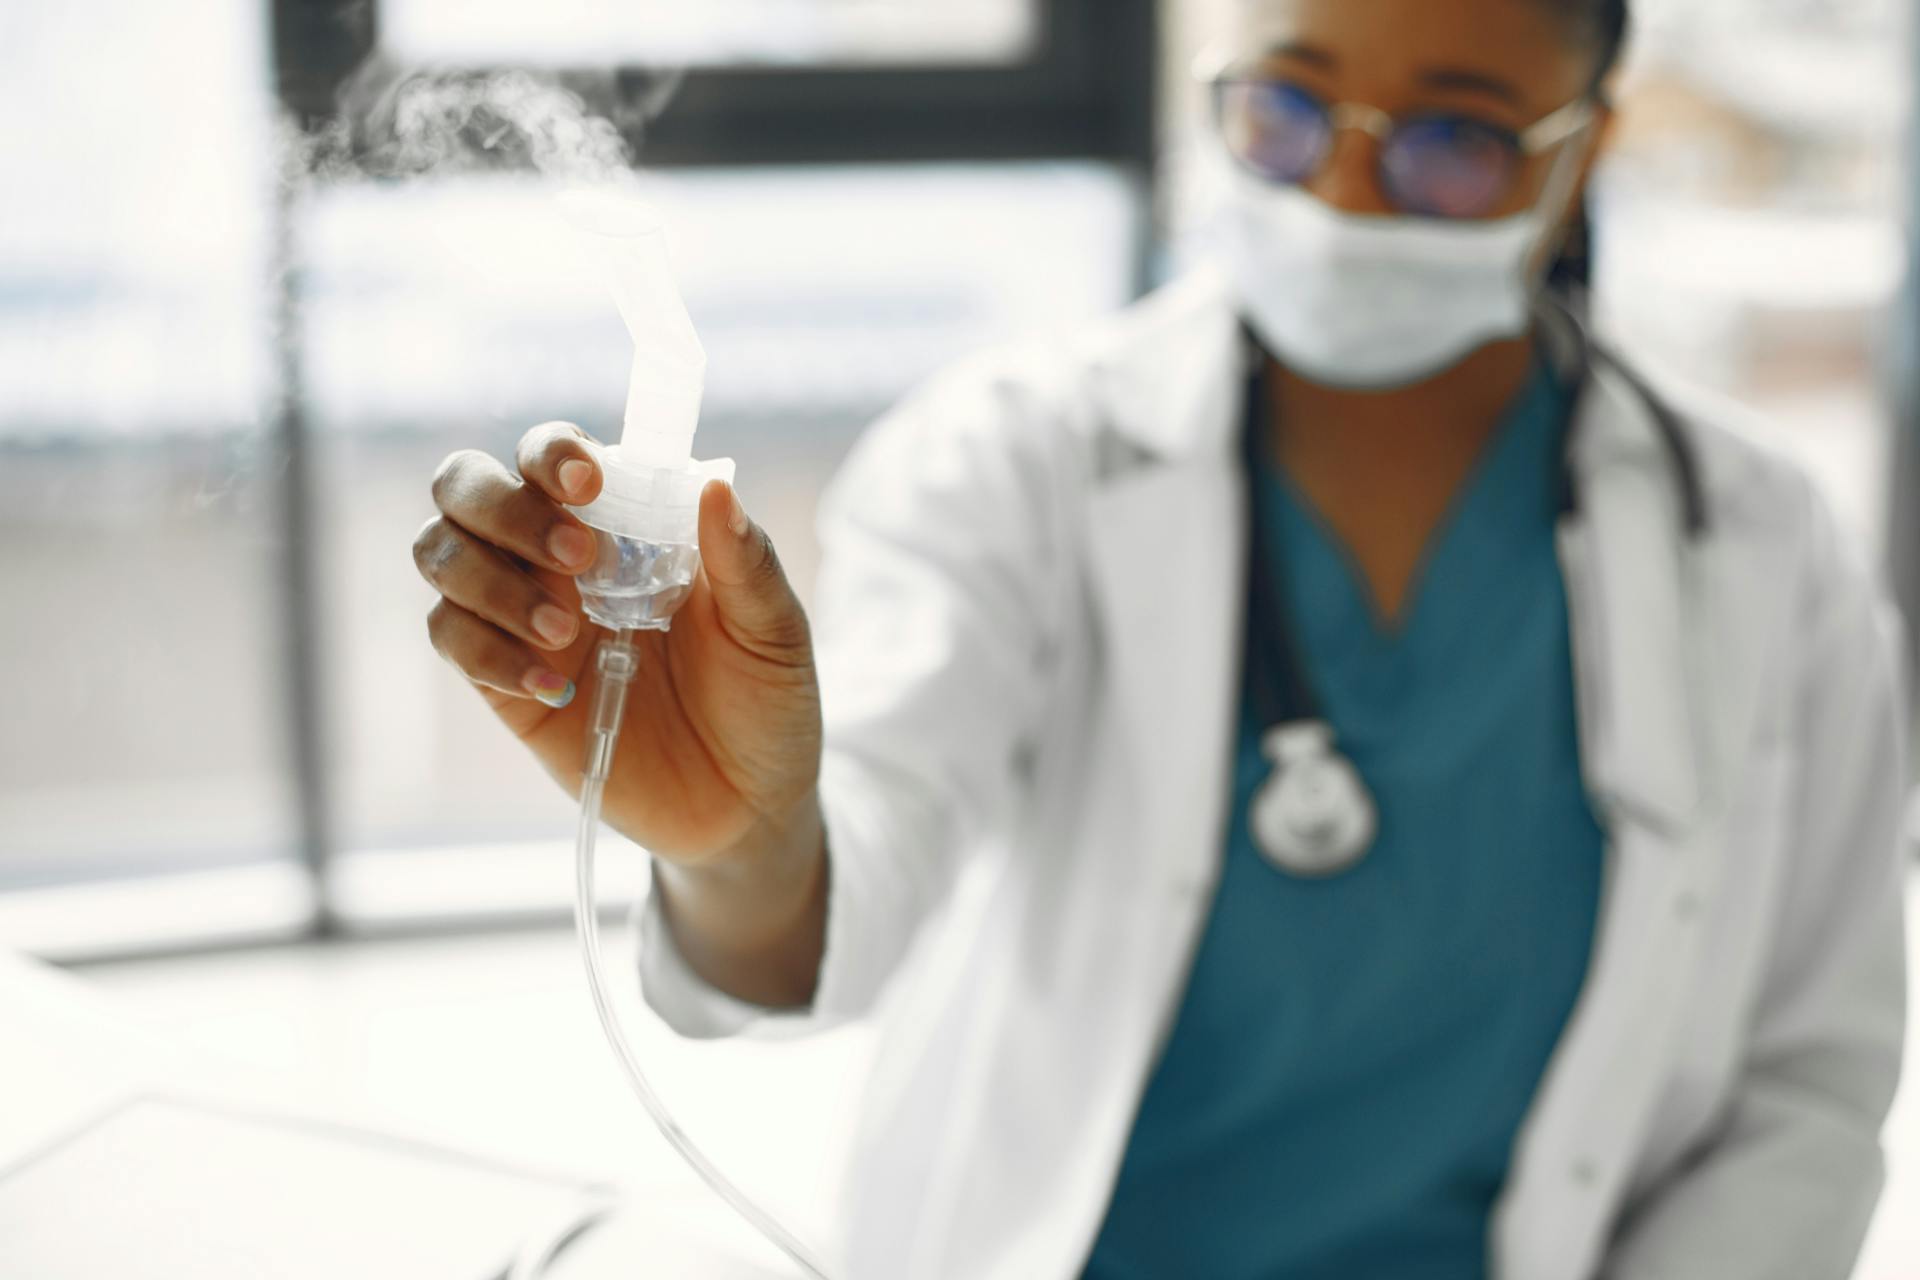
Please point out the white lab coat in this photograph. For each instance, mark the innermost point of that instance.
(1027, 628)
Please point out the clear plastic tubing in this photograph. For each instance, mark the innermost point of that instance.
(645, 522)
(646, 526)
(614, 668)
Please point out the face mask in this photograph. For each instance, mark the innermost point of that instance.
(1380, 302)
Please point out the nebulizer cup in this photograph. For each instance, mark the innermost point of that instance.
(646, 523)
(646, 516)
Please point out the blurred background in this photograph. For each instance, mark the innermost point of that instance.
(267, 261)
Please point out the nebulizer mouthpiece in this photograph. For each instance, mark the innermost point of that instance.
(647, 514)
(646, 523)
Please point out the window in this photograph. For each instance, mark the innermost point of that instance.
(262, 739)
(138, 532)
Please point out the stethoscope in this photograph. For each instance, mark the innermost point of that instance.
(1314, 816)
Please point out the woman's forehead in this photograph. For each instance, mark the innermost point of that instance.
(1396, 41)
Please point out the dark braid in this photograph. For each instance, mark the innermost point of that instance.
(1600, 25)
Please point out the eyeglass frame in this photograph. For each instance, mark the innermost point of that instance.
(1218, 71)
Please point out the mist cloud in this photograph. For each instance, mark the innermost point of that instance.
(425, 122)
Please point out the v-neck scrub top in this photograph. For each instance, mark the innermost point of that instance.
(1353, 1056)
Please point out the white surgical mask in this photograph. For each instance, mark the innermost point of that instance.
(1378, 302)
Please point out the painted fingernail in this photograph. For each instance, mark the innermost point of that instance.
(737, 517)
(550, 687)
(574, 474)
(570, 545)
(554, 624)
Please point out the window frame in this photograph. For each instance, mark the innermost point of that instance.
(1087, 91)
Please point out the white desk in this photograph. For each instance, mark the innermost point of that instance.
(73, 1057)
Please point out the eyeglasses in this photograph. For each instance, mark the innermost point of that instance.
(1432, 164)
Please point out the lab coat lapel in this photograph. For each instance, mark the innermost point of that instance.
(1167, 562)
(1644, 725)
(1623, 560)
(1166, 536)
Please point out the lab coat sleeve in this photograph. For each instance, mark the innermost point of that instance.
(932, 620)
(1787, 1188)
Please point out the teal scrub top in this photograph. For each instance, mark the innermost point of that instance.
(1353, 1056)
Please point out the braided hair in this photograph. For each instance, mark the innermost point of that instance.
(1600, 26)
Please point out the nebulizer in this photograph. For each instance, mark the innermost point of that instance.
(645, 523)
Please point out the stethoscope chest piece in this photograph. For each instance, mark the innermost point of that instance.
(1313, 817)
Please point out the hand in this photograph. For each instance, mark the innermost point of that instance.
(720, 748)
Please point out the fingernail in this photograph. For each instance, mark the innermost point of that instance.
(550, 687)
(570, 545)
(554, 624)
(574, 474)
(737, 517)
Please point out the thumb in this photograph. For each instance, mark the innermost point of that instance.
(750, 589)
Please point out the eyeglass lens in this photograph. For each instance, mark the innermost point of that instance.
(1434, 166)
